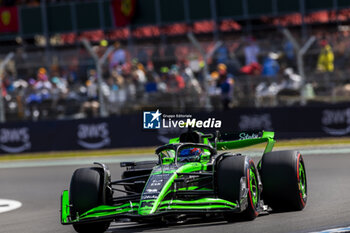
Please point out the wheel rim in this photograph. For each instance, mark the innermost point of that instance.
(253, 186)
(302, 180)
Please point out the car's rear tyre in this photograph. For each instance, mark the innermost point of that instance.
(86, 193)
(284, 180)
(230, 170)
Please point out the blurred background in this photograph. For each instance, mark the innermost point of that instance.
(79, 74)
(178, 55)
(77, 78)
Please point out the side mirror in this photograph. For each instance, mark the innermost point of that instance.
(205, 158)
(168, 160)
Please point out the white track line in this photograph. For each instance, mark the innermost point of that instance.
(72, 161)
(9, 205)
(335, 230)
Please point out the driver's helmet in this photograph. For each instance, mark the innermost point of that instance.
(190, 155)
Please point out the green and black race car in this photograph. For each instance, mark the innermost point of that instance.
(189, 179)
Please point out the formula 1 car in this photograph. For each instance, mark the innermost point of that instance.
(189, 179)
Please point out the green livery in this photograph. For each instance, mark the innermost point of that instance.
(190, 178)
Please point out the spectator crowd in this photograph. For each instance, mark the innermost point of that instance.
(242, 71)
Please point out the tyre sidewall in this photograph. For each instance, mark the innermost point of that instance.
(86, 193)
(228, 183)
(280, 178)
(86, 189)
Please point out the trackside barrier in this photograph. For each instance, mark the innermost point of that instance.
(127, 130)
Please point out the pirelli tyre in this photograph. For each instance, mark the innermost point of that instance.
(284, 181)
(229, 172)
(86, 193)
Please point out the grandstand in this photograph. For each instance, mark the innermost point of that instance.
(187, 55)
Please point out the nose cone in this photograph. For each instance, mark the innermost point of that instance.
(146, 207)
(156, 189)
(160, 183)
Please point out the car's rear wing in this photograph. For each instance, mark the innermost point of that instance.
(229, 141)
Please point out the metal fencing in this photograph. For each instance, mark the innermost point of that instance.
(64, 83)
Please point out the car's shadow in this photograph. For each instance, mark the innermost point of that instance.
(132, 227)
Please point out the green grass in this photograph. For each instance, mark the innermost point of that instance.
(150, 150)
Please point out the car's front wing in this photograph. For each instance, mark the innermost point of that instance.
(131, 209)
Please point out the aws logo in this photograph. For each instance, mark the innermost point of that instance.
(255, 122)
(6, 18)
(93, 136)
(336, 121)
(14, 140)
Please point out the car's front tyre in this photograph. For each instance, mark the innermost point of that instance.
(86, 193)
(229, 172)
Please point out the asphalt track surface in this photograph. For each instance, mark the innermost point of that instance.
(39, 189)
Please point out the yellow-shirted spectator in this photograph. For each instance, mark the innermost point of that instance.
(325, 61)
